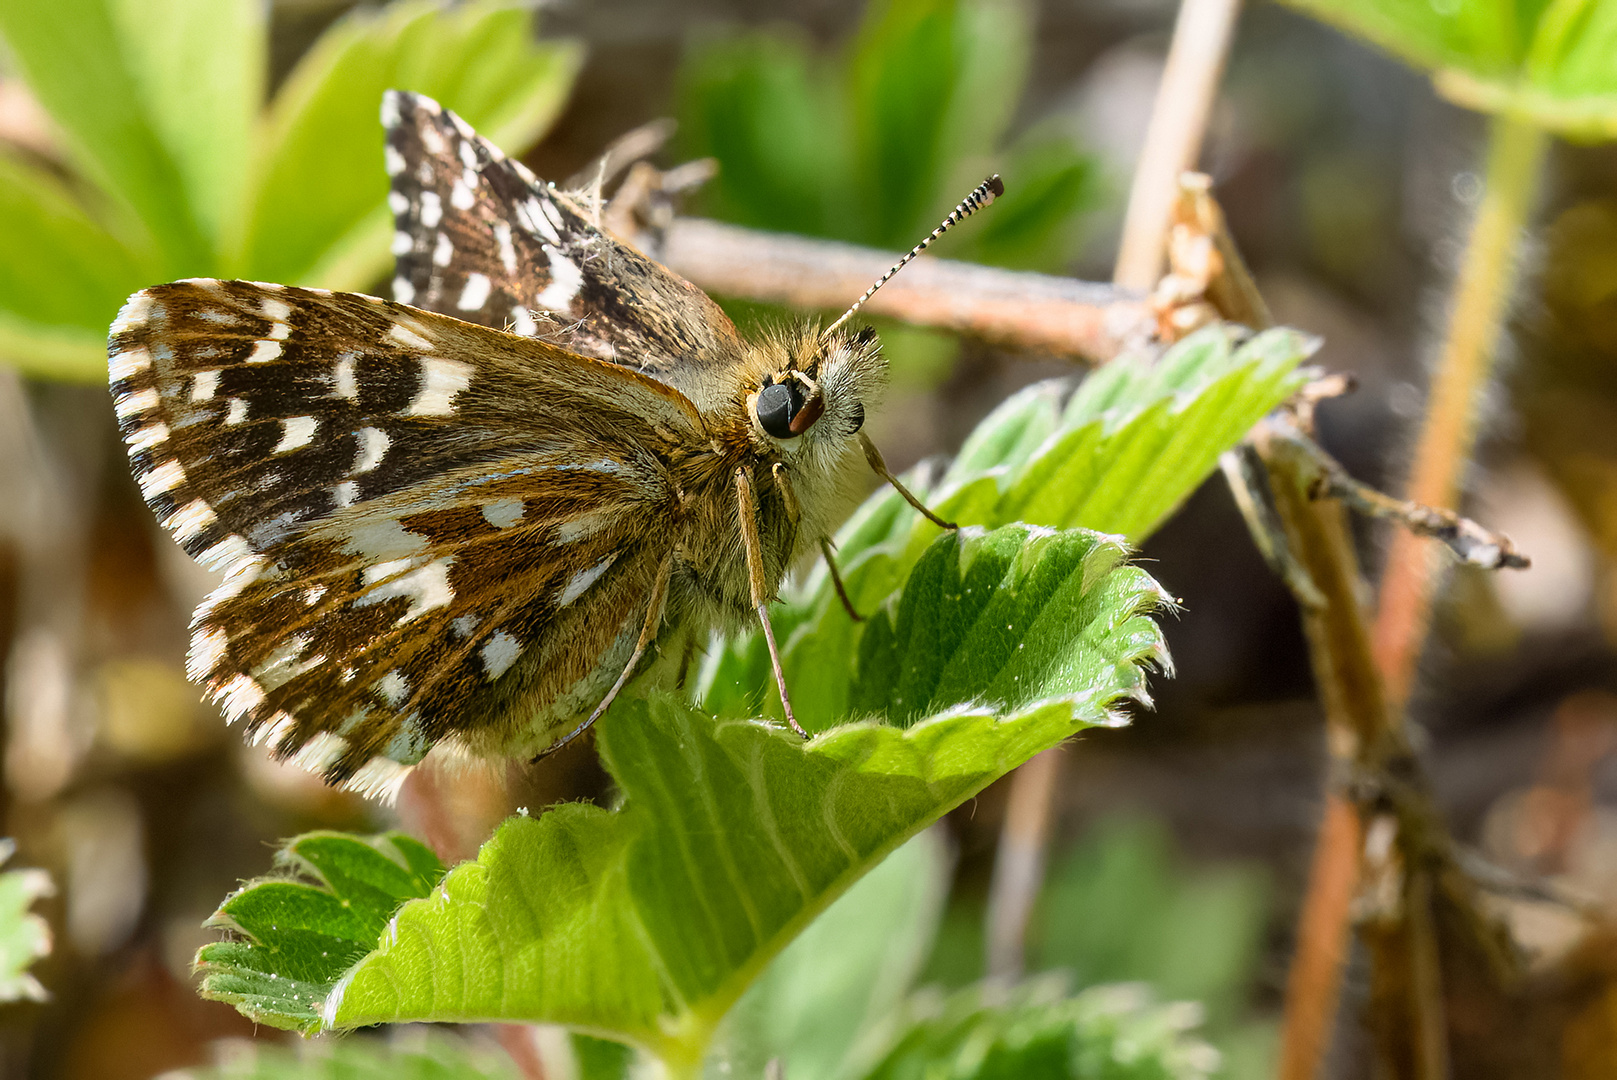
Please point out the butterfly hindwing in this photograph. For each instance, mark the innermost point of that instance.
(424, 524)
(480, 238)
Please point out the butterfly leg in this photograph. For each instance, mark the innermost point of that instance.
(760, 590)
(836, 579)
(648, 632)
(873, 456)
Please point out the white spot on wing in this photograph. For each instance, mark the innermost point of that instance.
(133, 314)
(426, 587)
(280, 726)
(444, 251)
(475, 294)
(403, 291)
(128, 362)
(460, 195)
(282, 665)
(296, 431)
(390, 109)
(346, 493)
(149, 436)
(237, 411)
(382, 538)
(504, 513)
(392, 160)
(204, 385)
(565, 281)
(209, 646)
(432, 207)
(379, 778)
(522, 321)
(499, 653)
(464, 625)
(403, 243)
(468, 153)
(276, 310)
(398, 202)
(240, 696)
(583, 579)
(441, 380)
(408, 337)
(133, 404)
(161, 479)
(264, 351)
(394, 688)
(321, 752)
(343, 380)
(531, 217)
(581, 527)
(508, 251)
(384, 570)
(373, 444)
(226, 553)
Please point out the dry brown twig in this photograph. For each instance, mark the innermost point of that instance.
(1384, 859)
(1025, 311)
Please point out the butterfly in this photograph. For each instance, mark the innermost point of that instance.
(471, 514)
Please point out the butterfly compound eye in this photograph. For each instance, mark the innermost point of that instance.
(778, 405)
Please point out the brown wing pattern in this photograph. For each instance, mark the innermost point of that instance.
(420, 520)
(480, 238)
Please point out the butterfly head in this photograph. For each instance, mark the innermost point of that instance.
(812, 389)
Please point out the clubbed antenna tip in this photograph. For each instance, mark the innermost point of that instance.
(982, 195)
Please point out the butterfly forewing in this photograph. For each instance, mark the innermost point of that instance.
(480, 238)
(424, 524)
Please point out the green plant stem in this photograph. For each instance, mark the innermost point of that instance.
(1481, 300)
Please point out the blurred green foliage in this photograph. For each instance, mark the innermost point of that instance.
(1143, 917)
(437, 1057)
(177, 168)
(1550, 62)
(874, 143)
(1036, 1030)
(24, 936)
(1121, 906)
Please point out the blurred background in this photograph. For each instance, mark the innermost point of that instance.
(1181, 843)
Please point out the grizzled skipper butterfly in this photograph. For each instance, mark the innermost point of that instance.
(465, 516)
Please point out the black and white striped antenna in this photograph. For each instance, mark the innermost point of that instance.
(982, 195)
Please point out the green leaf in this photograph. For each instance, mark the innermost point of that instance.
(830, 989)
(990, 1033)
(317, 212)
(932, 86)
(1545, 61)
(58, 265)
(1118, 908)
(875, 145)
(24, 936)
(73, 58)
(764, 106)
(646, 924)
(200, 69)
(1118, 455)
(295, 934)
(53, 352)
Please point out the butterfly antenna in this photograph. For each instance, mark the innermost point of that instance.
(982, 195)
